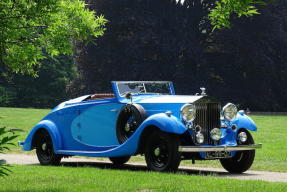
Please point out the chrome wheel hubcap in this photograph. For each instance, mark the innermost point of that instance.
(44, 146)
(157, 151)
(127, 127)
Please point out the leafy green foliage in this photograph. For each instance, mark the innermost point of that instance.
(30, 30)
(224, 9)
(6, 139)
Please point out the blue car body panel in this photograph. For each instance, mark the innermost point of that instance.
(51, 128)
(86, 130)
(88, 127)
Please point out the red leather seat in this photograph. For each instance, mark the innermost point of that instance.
(102, 96)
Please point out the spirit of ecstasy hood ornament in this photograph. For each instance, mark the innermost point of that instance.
(202, 91)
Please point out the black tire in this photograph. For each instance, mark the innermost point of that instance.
(45, 149)
(161, 152)
(118, 161)
(242, 160)
(130, 118)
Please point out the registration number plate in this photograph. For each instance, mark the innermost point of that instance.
(217, 154)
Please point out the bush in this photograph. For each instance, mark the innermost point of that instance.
(6, 139)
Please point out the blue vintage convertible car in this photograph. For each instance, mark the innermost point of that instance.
(146, 118)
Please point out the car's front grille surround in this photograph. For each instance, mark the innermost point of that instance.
(207, 117)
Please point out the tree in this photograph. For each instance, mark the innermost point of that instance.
(220, 15)
(221, 11)
(245, 64)
(30, 30)
(18, 90)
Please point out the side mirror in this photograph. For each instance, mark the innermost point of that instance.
(128, 95)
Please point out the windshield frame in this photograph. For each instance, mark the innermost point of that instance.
(118, 93)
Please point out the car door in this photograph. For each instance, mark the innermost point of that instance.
(96, 124)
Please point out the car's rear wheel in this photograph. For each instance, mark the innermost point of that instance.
(130, 117)
(242, 160)
(45, 150)
(161, 151)
(118, 161)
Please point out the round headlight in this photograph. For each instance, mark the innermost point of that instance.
(229, 112)
(188, 112)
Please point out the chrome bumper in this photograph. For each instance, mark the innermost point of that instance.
(219, 148)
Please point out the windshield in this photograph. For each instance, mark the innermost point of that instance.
(146, 87)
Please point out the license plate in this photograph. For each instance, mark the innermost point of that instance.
(217, 154)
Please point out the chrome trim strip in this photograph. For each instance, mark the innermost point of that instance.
(219, 148)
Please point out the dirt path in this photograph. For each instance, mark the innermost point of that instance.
(75, 161)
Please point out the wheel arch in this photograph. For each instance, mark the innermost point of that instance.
(159, 122)
(48, 126)
(166, 123)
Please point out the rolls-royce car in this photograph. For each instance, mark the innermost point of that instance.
(146, 118)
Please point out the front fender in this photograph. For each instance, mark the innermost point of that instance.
(243, 121)
(166, 123)
(52, 130)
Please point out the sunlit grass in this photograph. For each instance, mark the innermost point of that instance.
(74, 179)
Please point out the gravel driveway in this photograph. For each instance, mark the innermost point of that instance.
(75, 161)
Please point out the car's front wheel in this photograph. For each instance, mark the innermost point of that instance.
(242, 160)
(118, 161)
(45, 150)
(161, 151)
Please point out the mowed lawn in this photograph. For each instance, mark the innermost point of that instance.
(74, 179)
(272, 133)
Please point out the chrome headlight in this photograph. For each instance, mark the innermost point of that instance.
(188, 112)
(199, 138)
(229, 112)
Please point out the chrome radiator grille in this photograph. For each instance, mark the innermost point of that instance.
(207, 117)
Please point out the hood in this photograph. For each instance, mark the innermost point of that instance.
(165, 98)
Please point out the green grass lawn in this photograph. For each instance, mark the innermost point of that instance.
(70, 179)
(272, 132)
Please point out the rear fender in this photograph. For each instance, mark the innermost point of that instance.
(52, 130)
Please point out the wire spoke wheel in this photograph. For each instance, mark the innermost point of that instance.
(131, 125)
(130, 118)
(161, 152)
(45, 149)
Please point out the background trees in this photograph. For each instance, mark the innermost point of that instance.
(165, 40)
(47, 90)
(34, 36)
(168, 40)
